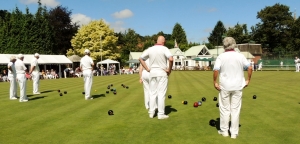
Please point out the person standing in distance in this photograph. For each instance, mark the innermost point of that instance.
(159, 72)
(21, 79)
(12, 78)
(87, 67)
(35, 72)
(229, 66)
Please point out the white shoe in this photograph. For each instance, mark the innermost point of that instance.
(163, 117)
(88, 98)
(13, 98)
(37, 93)
(224, 134)
(151, 115)
(233, 136)
(24, 100)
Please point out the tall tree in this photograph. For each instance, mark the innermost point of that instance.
(63, 28)
(274, 30)
(240, 33)
(215, 37)
(95, 36)
(179, 35)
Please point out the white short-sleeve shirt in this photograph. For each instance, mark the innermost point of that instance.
(20, 67)
(86, 63)
(158, 56)
(34, 62)
(13, 72)
(231, 66)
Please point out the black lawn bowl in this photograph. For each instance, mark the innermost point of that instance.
(58, 90)
(203, 99)
(65, 92)
(108, 87)
(107, 92)
(115, 92)
(185, 102)
(60, 94)
(212, 123)
(127, 87)
(169, 96)
(110, 112)
(111, 85)
(217, 105)
(111, 89)
(254, 96)
(122, 84)
(83, 92)
(215, 99)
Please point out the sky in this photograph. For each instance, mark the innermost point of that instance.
(148, 17)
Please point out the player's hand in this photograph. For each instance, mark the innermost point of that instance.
(168, 72)
(217, 86)
(247, 83)
(141, 81)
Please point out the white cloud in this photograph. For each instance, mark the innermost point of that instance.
(50, 3)
(118, 26)
(212, 10)
(80, 19)
(126, 13)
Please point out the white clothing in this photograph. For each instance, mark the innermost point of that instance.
(35, 75)
(88, 81)
(230, 66)
(260, 66)
(158, 56)
(146, 85)
(34, 62)
(252, 64)
(21, 78)
(158, 89)
(230, 103)
(86, 63)
(22, 83)
(12, 80)
(297, 64)
(20, 67)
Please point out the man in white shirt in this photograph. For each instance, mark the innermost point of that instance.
(297, 64)
(230, 67)
(35, 71)
(159, 72)
(12, 78)
(87, 67)
(21, 79)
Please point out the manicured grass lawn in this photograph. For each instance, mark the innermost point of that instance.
(48, 118)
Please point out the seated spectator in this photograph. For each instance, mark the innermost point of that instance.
(54, 74)
(78, 73)
(43, 75)
(4, 76)
(48, 74)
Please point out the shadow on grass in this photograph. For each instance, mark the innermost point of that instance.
(36, 98)
(218, 124)
(97, 96)
(169, 109)
(48, 91)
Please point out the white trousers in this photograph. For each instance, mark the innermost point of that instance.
(65, 74)
(22, 83)
(36, 81)
(146, 85)
(297, 67)
(230, 103)
(13, 87)
(88, 81)
(158, 89)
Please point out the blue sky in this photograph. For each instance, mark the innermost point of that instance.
(148, 17)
